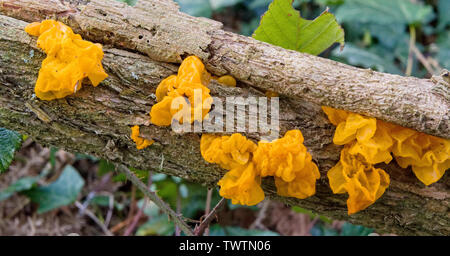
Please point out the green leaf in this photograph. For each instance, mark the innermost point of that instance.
(384, 12)
(198, 8)
(217, 4)
(349, 229)
(443, 54)
(159, 225)
(368, 58)
(282, 25)
(444, 18)
(10, 141)
(20, 185)
(104, 166)
(63, 191)
(129, 2)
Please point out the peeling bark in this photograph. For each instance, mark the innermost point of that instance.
(97, 120)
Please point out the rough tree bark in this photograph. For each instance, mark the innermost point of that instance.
(141, 42)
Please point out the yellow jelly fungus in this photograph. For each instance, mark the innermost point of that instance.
(271, 94)
(227, 80)
(363, 182)
(284, 157)
(227, 151)
(242, 185)
(369, 141)
(141, 143)
(69, 60)
(289, 162)
(428, 155)
(188, 90)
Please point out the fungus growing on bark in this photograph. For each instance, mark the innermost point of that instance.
(362, 181)
(227, 151)
(227, 80)
(69, 60)
(429, 156)
(242, 185)
(141, 143)
(288, 161)
(188, 89)
(368, 142)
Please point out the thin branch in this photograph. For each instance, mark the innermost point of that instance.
(423, 60)
(199, 230)
(412, 40)
(261, 216)
(94, 218)
(139, 214)
(208, 207)
(155, 198)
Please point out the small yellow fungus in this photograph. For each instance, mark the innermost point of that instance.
(69, 60)
(242, 185)
(271, 94)
(141, 143)
(227, 80)
(188, 89)
(227, 151)
(363, 182)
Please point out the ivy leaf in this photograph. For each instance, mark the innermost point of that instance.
(63, 191)
(282, 25)
(384, 12)
(10, 141)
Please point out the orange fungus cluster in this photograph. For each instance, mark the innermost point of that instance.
(69, 60)
(368, 141)
(141, 143)
(285, 159)
(183, 96)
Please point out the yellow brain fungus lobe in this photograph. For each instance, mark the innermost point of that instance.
(187, 89)
(227, 80)
(241, 184)
(227, 151)
(141, 143)
(368, 142)
(286, 159)
(428, 155)
(69, 60)
(289, 162)
(363, 182)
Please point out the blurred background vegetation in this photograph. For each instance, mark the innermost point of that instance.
(47, 191)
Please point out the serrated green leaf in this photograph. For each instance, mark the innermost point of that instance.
(63, 191)
(10, 141)
(384, 12)
(282, 25)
